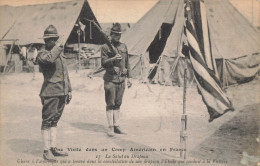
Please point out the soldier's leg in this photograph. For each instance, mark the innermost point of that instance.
(58, 111)
(53, 129)
(48, 110)
(118, 101)
(110, 103)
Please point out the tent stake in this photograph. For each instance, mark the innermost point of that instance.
(183, 132)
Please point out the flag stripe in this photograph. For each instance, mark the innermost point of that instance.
(211, 86)
(207, 86)
(206, 47)
(205, 77)
(196, 56)
(215, 99)
(211, 101)
(204, 73)
(190, 26)
(195, 47)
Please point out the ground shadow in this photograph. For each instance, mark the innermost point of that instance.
(233, 138)
(90, 127)
(27, 146)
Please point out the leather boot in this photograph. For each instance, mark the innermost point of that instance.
(46, 139)
(117, 129)
(54, 150)
(110, 131)
(48, 156)
(53, 135)
(58, 153)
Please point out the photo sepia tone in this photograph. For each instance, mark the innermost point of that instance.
(129, 82)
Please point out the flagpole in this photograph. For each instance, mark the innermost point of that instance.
(183, 132)
(78, 32)
(212, 94)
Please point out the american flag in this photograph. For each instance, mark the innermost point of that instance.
(203, 64)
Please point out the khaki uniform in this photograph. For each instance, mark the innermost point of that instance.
(116, 73)
(56, 85)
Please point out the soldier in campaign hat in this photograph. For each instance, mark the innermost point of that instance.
(55, 91)
(117, 70)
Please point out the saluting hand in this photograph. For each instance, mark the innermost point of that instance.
(59, 43)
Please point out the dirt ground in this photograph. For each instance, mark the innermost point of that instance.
(151, 116)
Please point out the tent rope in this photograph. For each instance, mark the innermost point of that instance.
(176, 61)
(225, 75)
(178, 57)
(157, 63)
(142, 67)
(8, 30)
(224, 68)
(9, 57)
(92, 21)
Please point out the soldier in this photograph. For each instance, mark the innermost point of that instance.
(117, 69)
(55, 92)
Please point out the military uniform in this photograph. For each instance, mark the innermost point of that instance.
(116, 73)
(55, 87)
(55, 91)
(115, 60)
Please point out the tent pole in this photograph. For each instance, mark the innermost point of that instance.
(8, 30)
(78, 31)
(142, 74)
(183, 132)
(9, 56)
(226, 74)
(225, 79)
(173, 67)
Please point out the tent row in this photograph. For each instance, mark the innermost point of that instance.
(155, 42)
(27, 23)
(157, 38)
(24, 25)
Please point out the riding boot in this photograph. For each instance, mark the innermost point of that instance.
(117, 129)
(110, 131)
(47, 155)
(55, 151)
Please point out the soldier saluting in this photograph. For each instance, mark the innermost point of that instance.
(117, 69)
(55, 92)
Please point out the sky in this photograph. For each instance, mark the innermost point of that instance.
(132, 10)
(250, 9)
(105, 10)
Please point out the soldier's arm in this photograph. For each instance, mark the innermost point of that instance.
(70, 89)
(106, 62)
(49, 57)
(128, 65)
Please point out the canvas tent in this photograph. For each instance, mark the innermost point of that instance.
(158, 37)
(7, 19)
(27, 23)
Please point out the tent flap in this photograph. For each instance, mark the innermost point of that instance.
(231, 39)
(239, 70)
